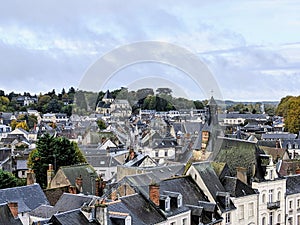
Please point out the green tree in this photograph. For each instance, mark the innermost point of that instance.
(289, 108)
(58, 151)
(4, 103)
(101, 124)
(8, 180)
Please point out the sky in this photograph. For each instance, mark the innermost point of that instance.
(250, 49)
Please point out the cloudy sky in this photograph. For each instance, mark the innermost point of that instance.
(251, 48)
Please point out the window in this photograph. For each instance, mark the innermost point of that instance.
(298, 203)
(251, 209)
(227, 218)
(278, 195)
(166, 153)
(263, 198)
(291, 204)
(241, 212)
(298, 219)
(271, 195)
(184, 221)
(227, 202)
(271, 218)
(173, 223)
(263, 221)
(278, 218)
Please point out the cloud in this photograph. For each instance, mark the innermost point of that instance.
(252, 53)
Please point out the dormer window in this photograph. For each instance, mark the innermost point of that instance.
(167, 204)
(179, 200)
(227, 202)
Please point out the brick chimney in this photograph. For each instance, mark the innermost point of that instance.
(13, 206)
(30, 177)
(50, 175)
(241, 174)
(78, 183)
(154, 193)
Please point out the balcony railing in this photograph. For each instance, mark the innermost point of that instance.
(273, 205)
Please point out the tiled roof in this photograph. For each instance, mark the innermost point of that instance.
(28, 197)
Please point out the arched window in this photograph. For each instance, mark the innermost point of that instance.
(263, 198)
(263, 221)
(278, 218)
(278, 195)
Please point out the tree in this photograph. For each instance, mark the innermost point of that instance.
(289, 108)
(58, 151)
(144, 92)
(101, 124)
(166, 91)
(8, 180)
(23, 125)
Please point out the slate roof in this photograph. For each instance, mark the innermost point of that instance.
(280, 135)
(86, 171)
(164, 172)
(237, 188)
(212, 183)
(7, 217)
(186, 186)
(28, 197)
(102, 161)
(192, 127)
(142, 211)
(108, 95)
(138, 160)
(67, 202)
(293, 184)
(70, 218)
(293, 143)
(209, 177)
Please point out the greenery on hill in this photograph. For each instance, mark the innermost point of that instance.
(84, 102)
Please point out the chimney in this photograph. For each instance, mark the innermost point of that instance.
(241, 174)
(154, 193)
(78, 183)
(101, 213)
(50, 175)
(13, 206)
(100, 186)
(30, 177)
(298, 170)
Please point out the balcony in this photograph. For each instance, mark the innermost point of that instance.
(273, 205)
